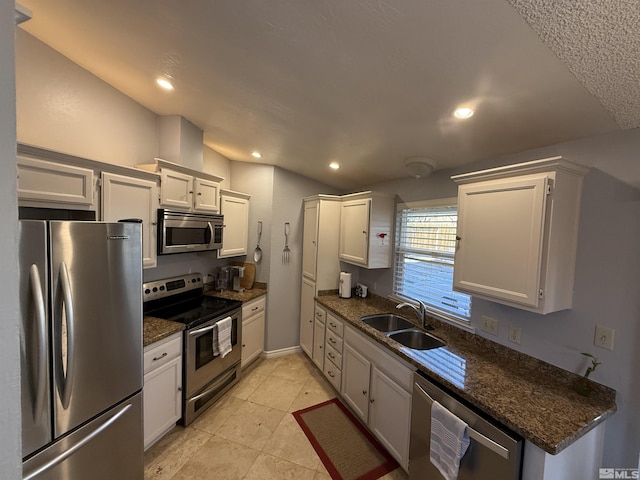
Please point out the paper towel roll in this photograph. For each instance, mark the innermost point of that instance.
(345, 285)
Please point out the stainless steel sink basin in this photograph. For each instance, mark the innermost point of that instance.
(387, 322)
(416, 339)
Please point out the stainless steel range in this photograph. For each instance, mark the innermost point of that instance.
(206, 375)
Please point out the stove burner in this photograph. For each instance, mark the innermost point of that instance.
(196, 311)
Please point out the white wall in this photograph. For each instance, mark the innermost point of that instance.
(605, 290)
(10, 424)
(217, 164)
(62, 107)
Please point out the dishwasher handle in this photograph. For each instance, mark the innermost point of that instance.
(477, 436)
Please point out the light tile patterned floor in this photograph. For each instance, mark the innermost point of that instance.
(250, 433)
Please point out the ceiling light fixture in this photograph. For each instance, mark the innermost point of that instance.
(256, 154)
(463, 112)
(164, 83)
(334, 165)
(420, 167)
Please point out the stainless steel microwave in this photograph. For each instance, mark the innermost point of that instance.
(180, 232)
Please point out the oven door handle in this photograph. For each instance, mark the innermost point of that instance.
(202, 330)
(213, 387)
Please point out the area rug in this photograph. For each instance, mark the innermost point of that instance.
(347, 450)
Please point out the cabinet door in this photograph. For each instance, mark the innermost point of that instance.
(390, 415)
(43, 181)
(310, 240)
(162, 400)
(206, 194)
(318, 344)
(354, 231)
(355, 381)
(236, 225)
(127, 197)
(501, 228)
(176, 189)
(252, 338)
(307, 306)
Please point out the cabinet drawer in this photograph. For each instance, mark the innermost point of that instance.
(333, 374)
(334, 341)
(335, 325)
(320, 314)
(162, 352)
(253, 308)
(333, 355)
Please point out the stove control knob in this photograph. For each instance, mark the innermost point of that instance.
(155, 289)
(162, 288)
(147, 291)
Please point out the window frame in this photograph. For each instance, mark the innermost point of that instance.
(460, 321)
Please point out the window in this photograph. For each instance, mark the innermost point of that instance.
(425, 248)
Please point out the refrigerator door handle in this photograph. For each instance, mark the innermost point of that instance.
(70, 317)
(67, 453)
(41, 375)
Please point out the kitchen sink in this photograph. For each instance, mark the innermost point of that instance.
(416, 339)
(387, 322)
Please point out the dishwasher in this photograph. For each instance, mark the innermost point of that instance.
(494, 453)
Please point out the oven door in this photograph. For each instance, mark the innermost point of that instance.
(188, 232)
(201, 365)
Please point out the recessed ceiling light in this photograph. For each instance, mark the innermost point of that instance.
(164, 83)
(463, 112)
(334, 165)
(256, 154)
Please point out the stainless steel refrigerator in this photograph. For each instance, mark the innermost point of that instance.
(81, 350)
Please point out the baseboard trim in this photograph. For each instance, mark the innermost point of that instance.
(281, 352)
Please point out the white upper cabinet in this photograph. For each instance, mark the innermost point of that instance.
(366, 227)
(235, 208)
(310, 239)
(185, 189)
(320, 241)
(517, 234)
(128, 197)
(42, 182)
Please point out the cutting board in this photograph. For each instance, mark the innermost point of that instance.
(246, 282)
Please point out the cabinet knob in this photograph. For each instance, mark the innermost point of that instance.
(364, 392)
(364, 231)
(179, 389)
(190, 191)
(199, 193)
(244, 345)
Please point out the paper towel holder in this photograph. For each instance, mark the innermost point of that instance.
(344, 287)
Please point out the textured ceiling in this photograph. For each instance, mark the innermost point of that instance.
(599, 42)
(366, 83)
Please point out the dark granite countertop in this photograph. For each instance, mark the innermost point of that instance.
(155, 329)
(259, 289)
(529, 396)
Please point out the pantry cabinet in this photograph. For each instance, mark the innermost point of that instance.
(185, 189)
(253, 320)
(517, 234)
(162, 387)
(366, 226)
(377, 386)
(53, 184)
(320, 265)
(128, 197)
(235, 208)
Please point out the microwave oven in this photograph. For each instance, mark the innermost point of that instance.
(180, 232)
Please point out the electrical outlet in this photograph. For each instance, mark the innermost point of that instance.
(604, 337)
(515, 334)
(489, 325)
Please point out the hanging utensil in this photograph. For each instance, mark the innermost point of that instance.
(257, 254)
(286, 251)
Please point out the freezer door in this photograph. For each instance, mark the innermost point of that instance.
(96, 285)
(34, 334)
(107, 448)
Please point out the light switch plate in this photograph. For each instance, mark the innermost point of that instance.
(604, 337)
(489, 325)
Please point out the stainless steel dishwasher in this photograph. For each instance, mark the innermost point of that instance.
(493, 454)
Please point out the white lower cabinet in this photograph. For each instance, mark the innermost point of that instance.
(377, 387)
(307, 305)
(252, 330)
(162, 387)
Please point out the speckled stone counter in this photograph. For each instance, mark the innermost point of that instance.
(531, 397)
(155, 329)
(259, 289)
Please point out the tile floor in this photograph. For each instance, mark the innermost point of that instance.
(250, 433)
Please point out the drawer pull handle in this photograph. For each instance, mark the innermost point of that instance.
(331, 355)
(371, 401)
(155, 359)
(254, 309)
(332, 340)
(330, 373)
(332, 324)
(364, 392)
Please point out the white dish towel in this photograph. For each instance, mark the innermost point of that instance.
(449, 441)
(222, 337)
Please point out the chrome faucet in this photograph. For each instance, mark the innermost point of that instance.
(421, 312)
